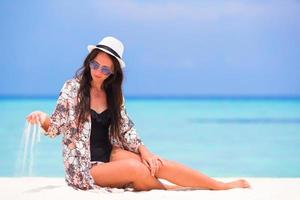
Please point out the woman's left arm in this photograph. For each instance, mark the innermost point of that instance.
(152, 161)
(130, 139)
(133, 142)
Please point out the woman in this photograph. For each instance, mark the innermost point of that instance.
(101, 147)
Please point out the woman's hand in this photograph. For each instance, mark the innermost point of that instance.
(37, 117)
(152, 161)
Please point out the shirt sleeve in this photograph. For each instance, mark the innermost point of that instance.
(59, 117)
(131, 139)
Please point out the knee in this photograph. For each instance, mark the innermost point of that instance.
(137, 169)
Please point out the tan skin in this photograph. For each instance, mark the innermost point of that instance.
(142, 170)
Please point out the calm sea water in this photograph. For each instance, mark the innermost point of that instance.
(219, 137)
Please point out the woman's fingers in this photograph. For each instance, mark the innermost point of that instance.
(155, 166)
(30, 118)
(34, 117)
(39, 120)
(160, 162)
(154, 163)
(149, 165)
(145, 162)
(152, 168)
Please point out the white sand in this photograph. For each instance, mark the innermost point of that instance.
(42, 188)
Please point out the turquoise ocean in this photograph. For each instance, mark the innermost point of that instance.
(221, 137)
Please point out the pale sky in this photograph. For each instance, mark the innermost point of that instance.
(172, 48)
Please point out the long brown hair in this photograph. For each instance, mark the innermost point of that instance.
(112, 86)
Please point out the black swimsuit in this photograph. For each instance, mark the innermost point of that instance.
(99, 141)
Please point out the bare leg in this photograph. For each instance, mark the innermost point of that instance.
(187, 177)
(122, 172)
(121, 154)
(181, 175)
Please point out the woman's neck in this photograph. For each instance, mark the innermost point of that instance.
(97, 86)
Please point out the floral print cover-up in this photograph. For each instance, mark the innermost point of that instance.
(76, 141)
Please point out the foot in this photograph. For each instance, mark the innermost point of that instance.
(241, 183)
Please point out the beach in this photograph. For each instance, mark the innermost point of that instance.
(31, 188)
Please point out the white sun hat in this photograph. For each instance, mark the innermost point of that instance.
(112, 46)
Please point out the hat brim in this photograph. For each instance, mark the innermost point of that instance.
(91, 47)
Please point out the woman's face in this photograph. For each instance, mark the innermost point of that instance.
(104, 60)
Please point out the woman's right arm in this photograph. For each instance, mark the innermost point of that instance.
(56, 123)
(39, 117)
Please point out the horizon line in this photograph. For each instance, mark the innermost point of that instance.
(267, 97)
